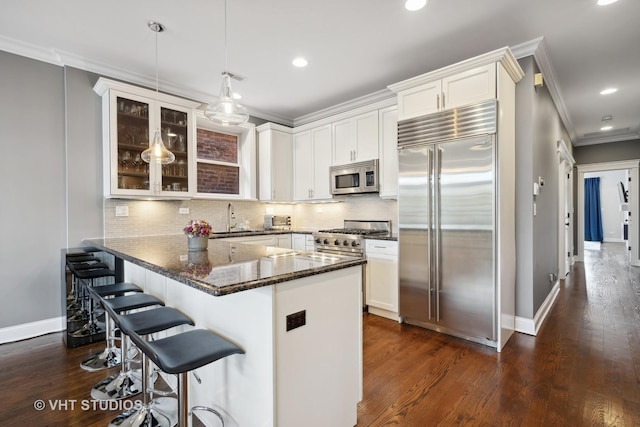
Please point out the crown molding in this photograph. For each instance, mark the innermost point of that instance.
(631, 136)
(536, 48)
(372, 98)
(29, 50)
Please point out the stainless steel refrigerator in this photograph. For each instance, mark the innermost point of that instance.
(447, 221)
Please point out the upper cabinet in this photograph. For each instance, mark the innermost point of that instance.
(311, 163)
(388, 166)
(467, 82)
(275, 163)
(130, 116)
(355, 139)
(463, 88)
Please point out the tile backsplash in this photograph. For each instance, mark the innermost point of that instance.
(152, 217)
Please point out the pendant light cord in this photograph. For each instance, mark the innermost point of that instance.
(225, 38)
(157, 65)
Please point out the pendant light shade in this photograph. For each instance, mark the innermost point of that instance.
(157, 152)
(226, 111)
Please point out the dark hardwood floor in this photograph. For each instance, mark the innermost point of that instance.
(583, 369)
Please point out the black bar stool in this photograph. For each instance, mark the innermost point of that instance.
(86, 278)
(110, 356)
(151, 412)
(181, 353)
(126, 382)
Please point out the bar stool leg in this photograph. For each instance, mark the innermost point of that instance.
(109, 357)
(144, 414)
(122, 385)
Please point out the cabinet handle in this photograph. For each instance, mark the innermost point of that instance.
(443, 100)
(437, 101)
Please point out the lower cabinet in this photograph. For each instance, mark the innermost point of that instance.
(302, 242)
(381, 291)
(265, 240)
(283, 241)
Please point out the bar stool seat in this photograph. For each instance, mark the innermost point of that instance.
(110, 356)
(181, 353)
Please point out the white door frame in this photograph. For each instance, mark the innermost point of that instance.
(565, 202)
(634, 239)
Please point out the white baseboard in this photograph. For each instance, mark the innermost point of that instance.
(32, 329)
(532, 326)
(613, 240)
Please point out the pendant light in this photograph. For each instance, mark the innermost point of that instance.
(226, 110)
(157, 152)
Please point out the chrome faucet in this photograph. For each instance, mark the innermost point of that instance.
(231, 214)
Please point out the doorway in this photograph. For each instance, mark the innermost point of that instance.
(565, 209)
(631, 168)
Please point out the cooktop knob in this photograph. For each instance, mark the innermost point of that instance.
(355, 243)
(345, 243)
(336, 242)
(326, 241)
(318, 240)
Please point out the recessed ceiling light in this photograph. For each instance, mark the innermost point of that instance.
(608, 127)
(609, 91)
(415, 4)
(605, 2)
(300, 62)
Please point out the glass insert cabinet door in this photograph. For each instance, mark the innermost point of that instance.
(132, 139)
(176, 137)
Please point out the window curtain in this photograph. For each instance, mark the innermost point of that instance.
(592, 211)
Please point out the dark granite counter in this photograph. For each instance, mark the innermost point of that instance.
(245, 233)
(225, 267)
(382, 237)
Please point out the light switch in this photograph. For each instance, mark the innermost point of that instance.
(122, 210)
(536, 189)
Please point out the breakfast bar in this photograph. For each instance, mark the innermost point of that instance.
(296, 315)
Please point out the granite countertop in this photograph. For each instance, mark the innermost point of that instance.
(245, 233)
(225, 267)
(391, 237)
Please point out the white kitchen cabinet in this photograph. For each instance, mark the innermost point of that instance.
(302, 242)
(447, 91)
(355, 139)
(130, 116)
(283, 241)
(388, 165)
(382, 278)
(264, 240)
(275, 163)
(311, 162)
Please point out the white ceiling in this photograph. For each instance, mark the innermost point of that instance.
(354, 48)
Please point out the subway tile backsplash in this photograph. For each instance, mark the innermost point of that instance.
(152, 217)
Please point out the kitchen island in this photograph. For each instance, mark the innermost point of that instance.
(309, 375)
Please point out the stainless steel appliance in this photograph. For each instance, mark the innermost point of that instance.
(273, 222)
(350, 241)
(355, 178)
(447, 221)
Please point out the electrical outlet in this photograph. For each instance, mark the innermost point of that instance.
(184, 211)
(296, 320)
(184, 257)
(122, 210)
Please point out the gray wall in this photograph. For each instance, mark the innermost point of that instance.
(538, 129)
(32, 216)
(611, 152)
(84, 156)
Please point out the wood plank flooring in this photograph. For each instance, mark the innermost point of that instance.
(583, 369)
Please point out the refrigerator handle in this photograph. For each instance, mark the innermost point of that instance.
(430, 187)
(438, 230)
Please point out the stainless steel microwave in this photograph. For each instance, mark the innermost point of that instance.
(355, 178)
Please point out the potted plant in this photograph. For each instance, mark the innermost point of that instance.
(197, 231)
